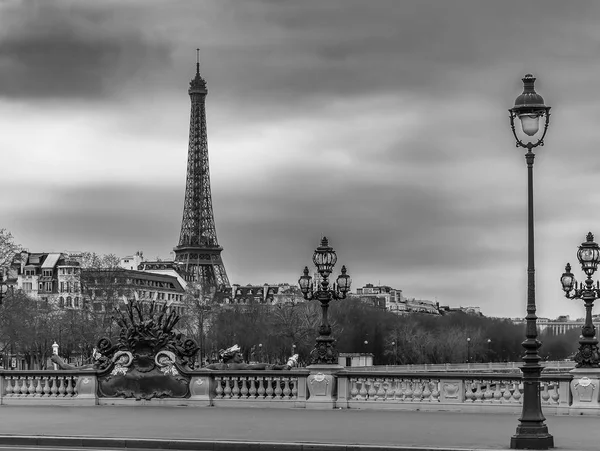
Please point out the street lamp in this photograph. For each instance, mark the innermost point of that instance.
(532, 432)
(588, 255)
(324, 259)
(468, 349)
(489, 342)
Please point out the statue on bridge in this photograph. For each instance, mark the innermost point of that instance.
(233, 360)
(149, 360)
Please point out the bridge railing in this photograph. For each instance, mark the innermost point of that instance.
(354, 389)
(554, 365)
(48, 387)
(464, 391)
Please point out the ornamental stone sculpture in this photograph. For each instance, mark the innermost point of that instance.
(233, 360)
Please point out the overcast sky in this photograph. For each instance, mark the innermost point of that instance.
(380, 124)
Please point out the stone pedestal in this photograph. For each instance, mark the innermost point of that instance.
(585, 388)
(322, 386)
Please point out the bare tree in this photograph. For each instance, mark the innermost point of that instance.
(8, 248)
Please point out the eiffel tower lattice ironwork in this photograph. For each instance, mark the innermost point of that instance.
(198, 253)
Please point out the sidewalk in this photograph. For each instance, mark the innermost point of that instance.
(286, 429)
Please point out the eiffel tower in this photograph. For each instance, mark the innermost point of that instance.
(198, 254)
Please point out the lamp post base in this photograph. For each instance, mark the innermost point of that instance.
(537, 438)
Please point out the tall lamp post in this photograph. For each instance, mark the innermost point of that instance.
(324, 259)
(489, 342)
(532, 432)
(588, 355)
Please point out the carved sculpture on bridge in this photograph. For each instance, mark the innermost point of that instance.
(149, 359)
(233, 360)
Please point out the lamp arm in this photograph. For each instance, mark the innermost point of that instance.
(541, 141)
(529, 145)
(512, 126)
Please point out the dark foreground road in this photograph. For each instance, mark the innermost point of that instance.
(424, 430)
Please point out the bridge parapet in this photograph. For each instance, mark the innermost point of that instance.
(356, 389)
(468, 392)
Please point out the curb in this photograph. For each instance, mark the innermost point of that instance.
(205, 445)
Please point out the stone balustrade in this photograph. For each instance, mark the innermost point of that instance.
(48, 387)
(353, 389)
(254, 388)
(469, 392)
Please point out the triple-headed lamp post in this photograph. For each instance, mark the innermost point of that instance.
(588, 355)
(532, 432)
(324, 259)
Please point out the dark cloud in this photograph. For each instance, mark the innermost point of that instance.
(72, 50)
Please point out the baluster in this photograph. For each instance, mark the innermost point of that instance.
(75, 379)
(380, 395)
(517, 393)
(545, 394)
(227, 391)
(497, 392)
(390, 391)
(372, 391)
(235, 391)
(219, 388)
(478, 393)
(418, 391)
(427, 392)
(261, 387)
(363, 389)
(469, 395)
(8, 389)
(555, 393)
(286, 389)
(244, 391)
(61, 386)
(354, 389)
(278, 389)
(54, 390)
(408, 392)
(435, 393)
(294, 388)
(70, 390)
(252, 391)
(488, 394)
(23, 386)
(38, 389)
(507, 394)
(30, 386)
(38, 386)
(47, 386)
(399, 390)
(269, 391)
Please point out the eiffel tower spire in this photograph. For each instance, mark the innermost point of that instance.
(198, 252)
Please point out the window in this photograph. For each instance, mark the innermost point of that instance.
(69, 302)
(76, 287)
(48, 286)
(61, 302)
(27, 286)
(40, 286)
(62, 287)
(76, 302)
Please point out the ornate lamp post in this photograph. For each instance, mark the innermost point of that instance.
(532, 432)
(489, 342)
(588, 255)
(324, 259)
